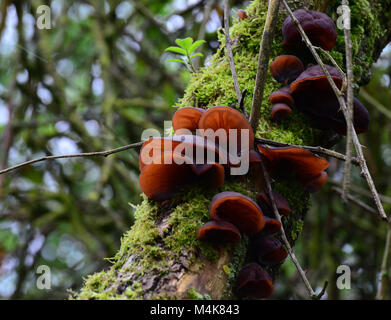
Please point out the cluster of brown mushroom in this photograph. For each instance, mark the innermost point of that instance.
(234, 214)
(165, 169)
(308, 88)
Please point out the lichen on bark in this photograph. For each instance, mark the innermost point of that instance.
(160, 257)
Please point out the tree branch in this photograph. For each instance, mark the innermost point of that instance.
(75, 155)
(349, 120)
(384, 272)
(229, 50)
(318, 150)
(263, 61)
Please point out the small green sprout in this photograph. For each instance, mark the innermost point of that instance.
(186, 48)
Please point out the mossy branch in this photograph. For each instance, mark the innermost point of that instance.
(263, 61)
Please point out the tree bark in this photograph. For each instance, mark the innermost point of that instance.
(160, 256)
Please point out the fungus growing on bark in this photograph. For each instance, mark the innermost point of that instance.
(316, 184)
(226, 118)
(318, 26)
(218, 232)
(282, 95)
(281, 203)
(239, 210)
(314, 79)
(253, 281)
(242, 14)
(184, 144)
(314, 96)
(286, 69)
(272, 226)
(279, 112)
(293, 161)
(268, 250)
(361, 119)
(169, 171)
(186, 118)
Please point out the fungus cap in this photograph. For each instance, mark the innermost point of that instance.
(272, 226)
(282, 95)
(253, 281)
(218, 232)
(239, 210)
(169, 171)
(293, 160)
(187, 118)
(227, 118)
(318, 26)
(183, 144)
(317, 183)
(242, 14)
(313, 79)
(279, 112)
(268, 250)
(281, 203)
(286, 68)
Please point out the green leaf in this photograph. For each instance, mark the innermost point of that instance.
(185, 43)
(196, 55)
(195, 45)
(177, 50)
(176, 60)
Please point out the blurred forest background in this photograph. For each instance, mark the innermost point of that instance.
(95, 81)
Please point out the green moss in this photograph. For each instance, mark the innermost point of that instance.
(366, 29)
(157, 248)
(194, 295)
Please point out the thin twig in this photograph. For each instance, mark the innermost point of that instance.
(263, 61)
(349, 120)
(364, 168)
(229, 50)
(242, 107)
(362, 192)
(322, 292)
(283, 235)
(380, 107)
(318, 149)
(356, 201)
(75, 155)
(384, 272)
(335, 64)
(201, 33)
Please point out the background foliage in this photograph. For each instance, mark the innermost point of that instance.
(95, 81)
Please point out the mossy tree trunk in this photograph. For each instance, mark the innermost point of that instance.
(160, 256)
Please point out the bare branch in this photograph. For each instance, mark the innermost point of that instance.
(318, 150)
(263, 61)
(385, 267)
(356, 201)
(75, 155)
(380, 107)
(229, 50)
(349, 119)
